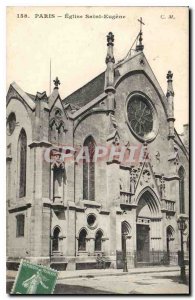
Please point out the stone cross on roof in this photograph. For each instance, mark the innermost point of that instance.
(140, 47)
(141, 23)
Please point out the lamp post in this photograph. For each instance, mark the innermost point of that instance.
(182, 226)
(124, 236)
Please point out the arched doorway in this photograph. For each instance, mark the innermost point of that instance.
(170, 238)
(147, 227)
(125, 231)
(55, 243)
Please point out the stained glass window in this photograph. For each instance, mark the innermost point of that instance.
(181, 174)
(22, 147)
(82, 240)
(55, 244)
(11, 123)
(98, 240)
(140, 115)
(89, 171)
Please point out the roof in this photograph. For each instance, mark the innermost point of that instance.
(93, 88)
(16, 92)
(31, 96)
(88, 92)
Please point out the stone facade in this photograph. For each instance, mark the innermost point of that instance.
(135, 205)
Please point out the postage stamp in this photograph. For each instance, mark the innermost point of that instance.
(34, 279)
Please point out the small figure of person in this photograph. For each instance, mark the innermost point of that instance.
(99, 261)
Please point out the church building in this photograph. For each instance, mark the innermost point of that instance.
(101, 173)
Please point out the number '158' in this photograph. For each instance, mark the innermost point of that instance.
(22, 16)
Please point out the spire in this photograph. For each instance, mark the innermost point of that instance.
(109, 80)
(109, 74)
(140, 47)
(170, 108)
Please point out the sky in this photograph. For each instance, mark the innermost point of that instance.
(77, 47)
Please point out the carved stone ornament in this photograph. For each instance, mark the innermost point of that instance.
(162, 188)
(146, 175)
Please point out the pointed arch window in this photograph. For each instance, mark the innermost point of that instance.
(89, 170)
(181, 174)
(22, 152)
(82, 240)
(98, 240)
(55, 243)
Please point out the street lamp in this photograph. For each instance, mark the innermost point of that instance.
(182, 226)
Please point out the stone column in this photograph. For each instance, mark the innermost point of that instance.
(39, 229)
(113, 195)
(71, 236)
(91, 245)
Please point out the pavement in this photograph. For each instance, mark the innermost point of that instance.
(145, 283)
(105, 272)
(148, 280)
(113, 272)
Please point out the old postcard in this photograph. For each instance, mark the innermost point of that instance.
(97, 150)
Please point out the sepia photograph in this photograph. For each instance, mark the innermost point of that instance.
(97, 150)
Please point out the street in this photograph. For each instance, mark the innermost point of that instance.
(150, 283)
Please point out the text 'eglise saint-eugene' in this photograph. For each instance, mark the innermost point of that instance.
(73, 16)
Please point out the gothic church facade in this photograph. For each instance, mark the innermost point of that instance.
(67, 211)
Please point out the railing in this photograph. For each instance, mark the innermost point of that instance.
(152, 258)
(125, 197)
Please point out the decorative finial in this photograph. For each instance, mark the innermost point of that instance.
(169, 76)
(110, 39)
(140, 47)
(170, 106)
(110, 44)
(109, 74)
(170, 91)
(56, 82)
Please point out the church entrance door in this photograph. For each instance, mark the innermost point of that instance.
(143, 243)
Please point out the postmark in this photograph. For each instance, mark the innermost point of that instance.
(34, 279)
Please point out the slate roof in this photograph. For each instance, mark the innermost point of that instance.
(88, 92)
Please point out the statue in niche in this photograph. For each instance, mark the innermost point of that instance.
(58, 168)
(133, 176)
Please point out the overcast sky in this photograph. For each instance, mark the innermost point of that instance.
(77, 47)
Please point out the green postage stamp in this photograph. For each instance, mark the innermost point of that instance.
(34, 279)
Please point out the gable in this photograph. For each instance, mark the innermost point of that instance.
(16, 92)
(146, 179)
(136, 65)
